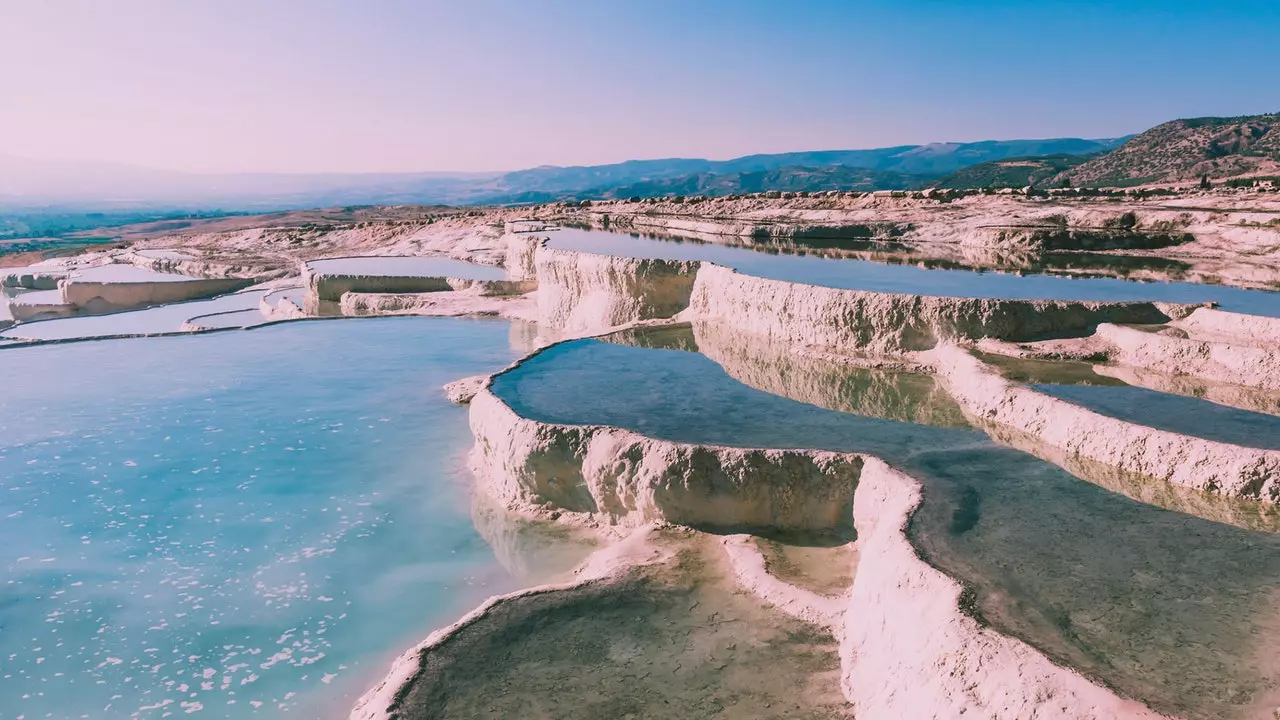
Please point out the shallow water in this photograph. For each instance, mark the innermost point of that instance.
(159, 319)
(896, 278)
(1176, 413)
(408, 267)
(1170, 608)
(237, 523)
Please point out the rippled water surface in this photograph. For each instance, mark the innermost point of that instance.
(883, 277)
(239, 524)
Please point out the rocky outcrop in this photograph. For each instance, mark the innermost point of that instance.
(891, 323)
(521, 249)
(460, 392)
(909, 651)
(618, 478)
(1054, 238)
(281, 304)
(1239, 364)
(583, 291)
(1229, 470)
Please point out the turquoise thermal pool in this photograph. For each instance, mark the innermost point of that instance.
(163, 555)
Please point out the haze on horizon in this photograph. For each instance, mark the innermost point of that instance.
(399, 86)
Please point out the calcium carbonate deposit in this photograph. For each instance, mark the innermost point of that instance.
(779, 470)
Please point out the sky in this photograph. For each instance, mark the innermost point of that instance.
(483, 85)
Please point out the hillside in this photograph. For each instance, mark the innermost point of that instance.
(1011, 173)
(1185, 150)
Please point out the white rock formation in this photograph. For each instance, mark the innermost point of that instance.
(1192, 462)
(908, 651)
(619, 478)
(890, 323)
(584, 291)
(1239, 364)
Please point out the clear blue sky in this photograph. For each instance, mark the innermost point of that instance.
(381, 85)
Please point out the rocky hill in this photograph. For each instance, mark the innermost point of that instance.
(1187, 150)
(1011, 173)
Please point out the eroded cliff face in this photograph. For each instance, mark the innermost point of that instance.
(584, 291)
(892, 323)
(1229, 470)
(623, 479)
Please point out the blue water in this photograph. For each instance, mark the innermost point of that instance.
(160, 319)
(408, 267)
(1176, 413)
(883, 277)
(243, 524)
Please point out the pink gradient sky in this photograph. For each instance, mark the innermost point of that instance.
(319, 85)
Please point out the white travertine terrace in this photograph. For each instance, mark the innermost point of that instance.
(907, 648)
(890, 323)
(1238, 362)
(1229, 470)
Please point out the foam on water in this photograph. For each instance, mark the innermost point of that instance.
(234, 523)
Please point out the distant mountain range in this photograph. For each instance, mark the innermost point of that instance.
(29, 183)
(1173, 152)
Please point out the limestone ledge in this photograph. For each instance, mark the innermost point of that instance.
(582, 291)
(1211, 323)
(1235, 362)
(1229, 470)
(892, 323)
(275, 306)
(909, 651)
(95, 296)
(330, 287)
(620, 479)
